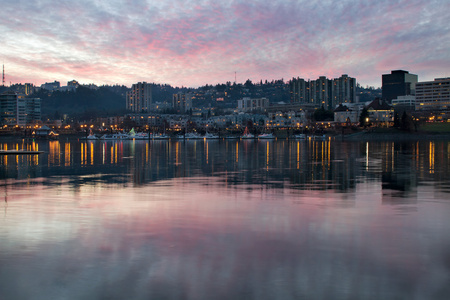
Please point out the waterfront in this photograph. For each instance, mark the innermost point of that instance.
(225, 220)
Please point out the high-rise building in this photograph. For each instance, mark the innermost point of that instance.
(16, 109)
(328, 93)
(398, 83)
(321, 92)
(139, 98)
(433, 95)
(182, 102)
(299, 90)
(344, 90)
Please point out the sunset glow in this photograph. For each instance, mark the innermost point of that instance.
(193, 43)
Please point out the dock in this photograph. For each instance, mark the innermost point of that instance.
(19, 152)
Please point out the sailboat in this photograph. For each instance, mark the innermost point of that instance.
(247, 134)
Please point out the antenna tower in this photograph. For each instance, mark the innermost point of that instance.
(3, 82)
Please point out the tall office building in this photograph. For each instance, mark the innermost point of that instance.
(433, 95)
(398, 83)
(139, 98)
(16, 109)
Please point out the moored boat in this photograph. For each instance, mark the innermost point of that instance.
(268, 136)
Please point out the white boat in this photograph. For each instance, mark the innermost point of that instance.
(115, 136)
(160, 136)
(211, 136)
(266, 136)
(137, 135)
(301, 136)
(192, 135)
(92, 137)
(320, 137)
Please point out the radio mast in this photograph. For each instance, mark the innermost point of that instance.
(3, 82)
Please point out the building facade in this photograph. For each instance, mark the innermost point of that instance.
(325, 92)
(433, 95)
(252, 104)
(182, 102)
(398, 83)
(139, 98)
(18, 110)
(51, 86)
(344, 90)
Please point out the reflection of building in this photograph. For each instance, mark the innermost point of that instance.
(398, 83)
(249, 104)
(433, 95)
(17, 110)
(182, 102)
(139, 98)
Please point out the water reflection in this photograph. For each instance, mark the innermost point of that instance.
(225, 219)
(299, 164)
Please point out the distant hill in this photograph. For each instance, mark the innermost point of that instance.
(83, 103)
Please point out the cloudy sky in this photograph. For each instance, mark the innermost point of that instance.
(197, 42)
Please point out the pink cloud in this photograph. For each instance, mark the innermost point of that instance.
(208, 42)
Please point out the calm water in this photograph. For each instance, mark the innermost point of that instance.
(225, 220)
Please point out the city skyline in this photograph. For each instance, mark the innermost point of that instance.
(193, 43)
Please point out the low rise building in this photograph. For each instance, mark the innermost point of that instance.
(380, 113)
(248, 104)
(345, 116)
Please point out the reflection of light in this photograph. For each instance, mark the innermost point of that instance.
(431, 157)
(176, 154)
(67, 154)
(92, 153)
(329, 153)
(237, 152)
(115, 153)
(367, 156)
(298, 155)
(82, 154)
(55, 152)
(207, 152)
(112, 154)
(267, 153)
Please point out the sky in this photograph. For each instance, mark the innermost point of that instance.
(192, 43)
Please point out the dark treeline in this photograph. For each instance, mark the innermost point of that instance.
(83, 103)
